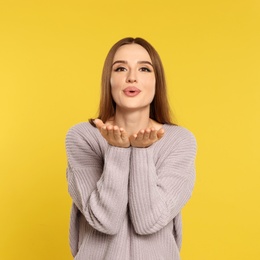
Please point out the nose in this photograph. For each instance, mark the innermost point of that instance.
(131, 77)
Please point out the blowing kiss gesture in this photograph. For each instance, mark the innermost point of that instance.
(117, 136)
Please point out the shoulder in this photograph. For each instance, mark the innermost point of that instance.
(83, 134)
(179, 132)
(83, 145)
(81, 130)
(178, 136)
(178, 145)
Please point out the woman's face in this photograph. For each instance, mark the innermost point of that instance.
(132, 78)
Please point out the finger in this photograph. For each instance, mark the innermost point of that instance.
(132, 138)
(110, 132)
(147, 134)
(160, 133)
(153, 135)
(140, 135)
(99, 123)
(103, 130)
(123, 134)
(117, 134)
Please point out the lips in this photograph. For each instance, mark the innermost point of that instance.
(131, 91)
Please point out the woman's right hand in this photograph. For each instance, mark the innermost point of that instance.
(113, 134)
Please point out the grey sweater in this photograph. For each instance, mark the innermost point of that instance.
(127, 201)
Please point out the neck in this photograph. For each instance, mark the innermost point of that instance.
(133, 121)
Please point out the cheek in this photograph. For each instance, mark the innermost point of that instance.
(114, 82)
(153, 88)
(148, 81)
(113, 89)
(153, 84)
(111, 82)
(151, 80)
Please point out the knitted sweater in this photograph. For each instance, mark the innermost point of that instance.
(127, 201)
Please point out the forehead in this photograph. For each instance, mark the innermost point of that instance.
(132, 52)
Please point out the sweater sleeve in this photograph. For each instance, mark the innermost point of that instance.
(158, 190)
(98, 186)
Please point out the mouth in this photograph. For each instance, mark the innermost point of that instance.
(131, 91)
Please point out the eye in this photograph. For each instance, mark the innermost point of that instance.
(145, 69)
(120, 69)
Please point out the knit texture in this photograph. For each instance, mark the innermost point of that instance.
(127, 201)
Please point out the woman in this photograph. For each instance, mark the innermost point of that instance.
(131, 170)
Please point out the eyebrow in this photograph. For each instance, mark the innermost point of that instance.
(139, 62)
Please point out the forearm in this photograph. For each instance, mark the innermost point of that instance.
(157, 193)
(146, 204)
(101, 193)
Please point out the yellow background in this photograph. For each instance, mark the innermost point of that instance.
(51, 55)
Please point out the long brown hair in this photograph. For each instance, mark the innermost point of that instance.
(159, 108)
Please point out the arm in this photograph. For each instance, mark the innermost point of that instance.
(98, 187)
(158, 191)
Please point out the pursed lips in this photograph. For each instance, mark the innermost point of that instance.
(131, 91)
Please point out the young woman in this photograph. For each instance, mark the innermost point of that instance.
(131, 170)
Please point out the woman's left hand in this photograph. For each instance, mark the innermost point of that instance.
(145, 138)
